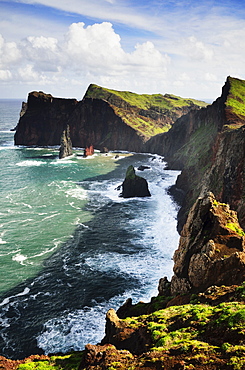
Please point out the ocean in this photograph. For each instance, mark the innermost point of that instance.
(70, 247)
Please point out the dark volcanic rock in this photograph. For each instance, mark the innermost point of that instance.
(65, 143)
(95, 121)
(142, 168)
(134, 186)
(44, 119)
(102, 118)
(211, 248)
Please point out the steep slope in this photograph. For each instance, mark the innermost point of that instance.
(43, 119)
(147, 114)
(209, 147)
(104, 118)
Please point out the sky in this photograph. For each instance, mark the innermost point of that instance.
(181, 47)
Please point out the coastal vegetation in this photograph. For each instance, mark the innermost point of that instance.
(207, 334)
(145, 113)
(236, 97)
(201, 323)
(157, 102)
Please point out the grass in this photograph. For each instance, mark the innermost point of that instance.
(186, 328)
(198, 146)
(143, 112)
(236, 97)
(157, 102)
(64, 362)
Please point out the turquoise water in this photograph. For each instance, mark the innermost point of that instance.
(42, 203)
(70, 247)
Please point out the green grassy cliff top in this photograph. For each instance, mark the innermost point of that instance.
(236, 96)
(143, 101)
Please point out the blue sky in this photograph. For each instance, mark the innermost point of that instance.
(187, 48)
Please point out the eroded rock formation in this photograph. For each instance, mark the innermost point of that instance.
(134, 186)
(65, 143)
(211, 249)
(89, 150)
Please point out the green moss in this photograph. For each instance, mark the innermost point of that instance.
(235, 227)
(38, 365)
(237, 362)
(241, 290)
(130, 174)
(65, 362)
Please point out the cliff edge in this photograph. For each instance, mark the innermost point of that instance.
(208, 146)
(118, 120)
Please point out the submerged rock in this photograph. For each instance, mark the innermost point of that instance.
(211, 249)
(65, 143)
(142, 168)
(134, 186)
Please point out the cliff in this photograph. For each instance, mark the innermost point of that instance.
(211, 249)
(209, 147)
(43, 120)
(104, 118)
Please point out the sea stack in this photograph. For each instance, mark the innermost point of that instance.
(65, 143)
(134, 186)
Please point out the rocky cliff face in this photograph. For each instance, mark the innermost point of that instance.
(211, 248)
(209, 147)
(95, 122)
(104, 118)
(43, 120)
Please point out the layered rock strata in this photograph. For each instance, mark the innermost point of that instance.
(211, 249)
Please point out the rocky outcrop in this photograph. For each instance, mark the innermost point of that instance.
(211, 249)
(134, 186)
(65, 143)
(44, 119)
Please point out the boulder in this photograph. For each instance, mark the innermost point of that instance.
(134, 186)
(65, 143)
(211, 249)
(142, 168)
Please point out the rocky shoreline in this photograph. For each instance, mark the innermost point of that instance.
(198, 319)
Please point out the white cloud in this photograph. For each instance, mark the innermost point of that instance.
(9, 53)
(27, 73)
(43, 52)
(196, 49)
(189, 50)
(96, 46)
(5, 75)
(85, 54)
